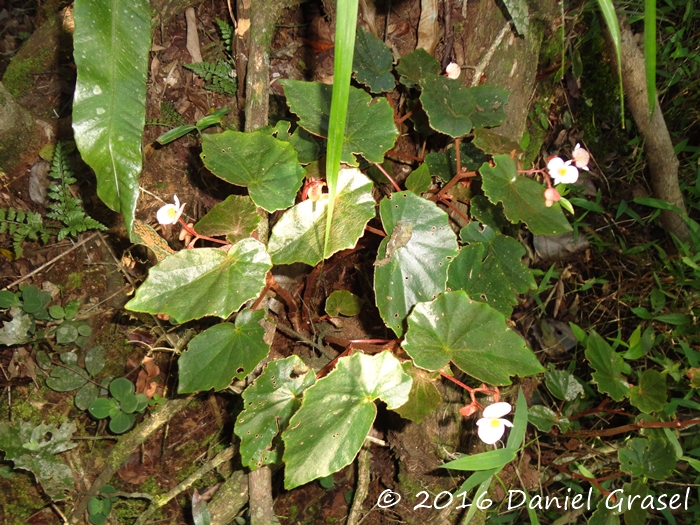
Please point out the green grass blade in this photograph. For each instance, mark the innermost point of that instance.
(345, 26)
(608, 10)
(650, 52)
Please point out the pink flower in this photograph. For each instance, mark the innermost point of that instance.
(551, 196)
(580, 157)
(562, 172)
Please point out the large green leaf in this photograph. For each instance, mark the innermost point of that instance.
(416, 65)
(222, 353)
(266, 166)
(449, 105)
(654, 458)
(206, 281)
(236, 218)
(372, 62)
(337, 413)
(26, 448)
(301, 140)
(111, 44)
(412, 260)
(472, 335)
(492, 272)
(608, 367)
(299, 234)
(269, 404)
(370, 130)
(522, 198)
(424, 397)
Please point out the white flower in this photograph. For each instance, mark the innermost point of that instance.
(491, 426)
(453, 70)
(562, 172)
(581, 157)
(170, 213)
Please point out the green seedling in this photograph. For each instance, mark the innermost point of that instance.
(121, 407)
(100, 506)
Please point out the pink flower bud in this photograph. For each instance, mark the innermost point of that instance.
(551, 196)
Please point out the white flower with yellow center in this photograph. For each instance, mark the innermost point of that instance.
(562, 172)
(491, 426)
(170, 213)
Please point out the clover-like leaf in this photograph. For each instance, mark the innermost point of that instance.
(416, 65)
(266, 166)
(235, 217)
(112, 41)
(654, 458)
(86, 395)
(343, 302)
(298, 236)
(223, 352)
(370, 130)
(121, 422)
(194, 283)
(65, 379)
(372, 62)
(522, 198)
(412, 260)
(55, 477)
(472, 335)
(651, 394)
(424, 397)
(336, 414)
(449, 105)
(269, 403)
(94, 360)
(492, 272)
(608, 367)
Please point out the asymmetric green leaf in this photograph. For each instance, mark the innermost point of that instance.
(562, 384)
(303, 142)
(372, 62)
(25, 446)
(412, 260)
(266, 166)
(424, 396)
(336, 414)
(236, 218)
(415, 66)
(544, 418)
(654, 458)
(608, 367)
(651, 395)
(370, 130)
(269, 404)
(223, 353)
(472, 335)
(298, 236)
(191, 284)
(522, 198)
(419, 180)
(111, 44)
(492, 273)
(449, 105)
(488, 111)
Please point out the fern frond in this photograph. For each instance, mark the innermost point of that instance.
(219, 74)
(226, 31)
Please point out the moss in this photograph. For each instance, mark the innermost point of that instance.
(19, 498)
(18, 76)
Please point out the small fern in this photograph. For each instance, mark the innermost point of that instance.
(226, 31)
(22, 225)
(220, 74)
(67, 208)
(169, 116)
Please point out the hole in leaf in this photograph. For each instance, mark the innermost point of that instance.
(240, 370)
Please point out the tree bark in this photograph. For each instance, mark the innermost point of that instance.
(662, 160)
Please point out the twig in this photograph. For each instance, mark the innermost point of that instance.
(128, 495)
(294, 333)
(362, 489)
(186, 484)
(607, 432)
(483, 64)
(52, 261)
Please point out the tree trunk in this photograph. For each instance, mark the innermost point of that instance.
(662, 160)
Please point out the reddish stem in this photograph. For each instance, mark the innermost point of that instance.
(381, 168)
(197, 236)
